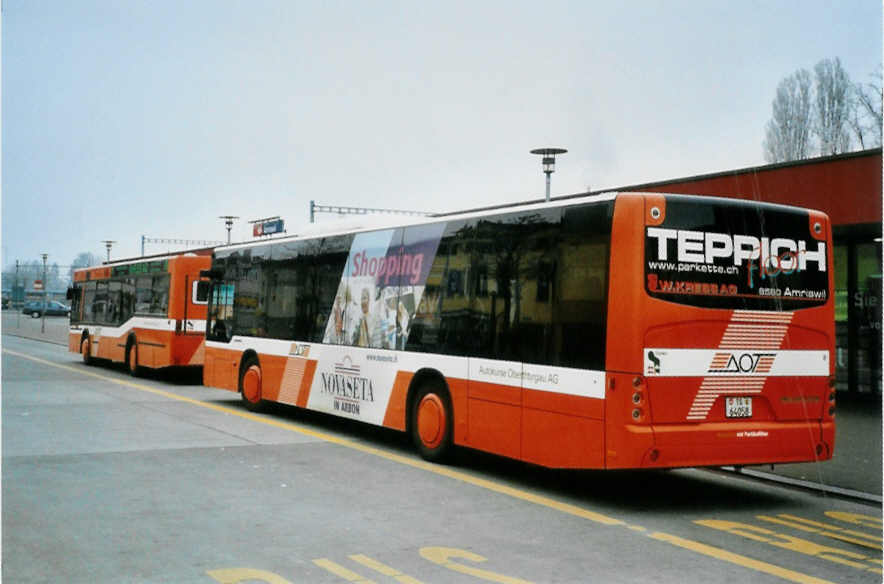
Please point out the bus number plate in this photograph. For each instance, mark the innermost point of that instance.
(738, 407)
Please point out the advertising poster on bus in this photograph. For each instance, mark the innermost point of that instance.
(380, 288)
(772, 257)
(381, 285)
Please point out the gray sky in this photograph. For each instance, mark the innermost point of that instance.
(127, 118)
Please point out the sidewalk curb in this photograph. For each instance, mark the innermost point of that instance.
(808, 485)
(39, 340)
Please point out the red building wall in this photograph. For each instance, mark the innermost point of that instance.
(846, 187)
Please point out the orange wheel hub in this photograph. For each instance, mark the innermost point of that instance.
(431, 421)
(251, 384)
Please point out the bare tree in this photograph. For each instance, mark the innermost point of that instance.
(833, 101)
(84, 259)
(787, 136)
(866, 117)
(823, 114)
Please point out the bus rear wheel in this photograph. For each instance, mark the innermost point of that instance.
(431, 422)
(250, 385)
(132, 359)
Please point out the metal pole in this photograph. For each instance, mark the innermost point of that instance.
(142, 245)
(18, 312)
(108, 243)
(312, 204)
(549, 162)
(45, 293)
(228, 222)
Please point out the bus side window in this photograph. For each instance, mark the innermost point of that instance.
(112, 314)
(88, 301)
(74, 294)
(221, 311)
(143, 294)
(127, 299)
(99, 303)
(159, 303)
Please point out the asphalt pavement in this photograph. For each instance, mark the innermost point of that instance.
(106, 478)
(854, 470)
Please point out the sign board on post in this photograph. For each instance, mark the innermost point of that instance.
(268, 227)
(38, 284)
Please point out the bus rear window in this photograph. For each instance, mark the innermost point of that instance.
(717, 253)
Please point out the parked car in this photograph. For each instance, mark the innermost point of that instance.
(53, 308)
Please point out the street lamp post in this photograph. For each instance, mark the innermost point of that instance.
(108, 244)
(228, 222)
(14, 293)
(45, 292)
(549, 162)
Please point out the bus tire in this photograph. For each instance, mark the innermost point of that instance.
(132, 359)
(431, 421)
(86, 350)
(250, 384)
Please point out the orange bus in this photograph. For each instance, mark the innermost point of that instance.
(624, 330)
(145, 312)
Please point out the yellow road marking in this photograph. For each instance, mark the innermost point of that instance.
(791, 543)
(443, 556)
(800, 526)
(856, 519)
(384, 569)
(876, 538)
(237, 575)
(341, 571)
(541, 500)
(727, 556)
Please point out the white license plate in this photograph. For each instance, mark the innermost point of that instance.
(738, 407)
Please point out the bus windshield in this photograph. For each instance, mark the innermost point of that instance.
(737, 255)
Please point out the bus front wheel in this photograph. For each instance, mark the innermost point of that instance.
(86, 350)
(431, 422)
(250, 385)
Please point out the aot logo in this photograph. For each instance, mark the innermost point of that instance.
(742, 363)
